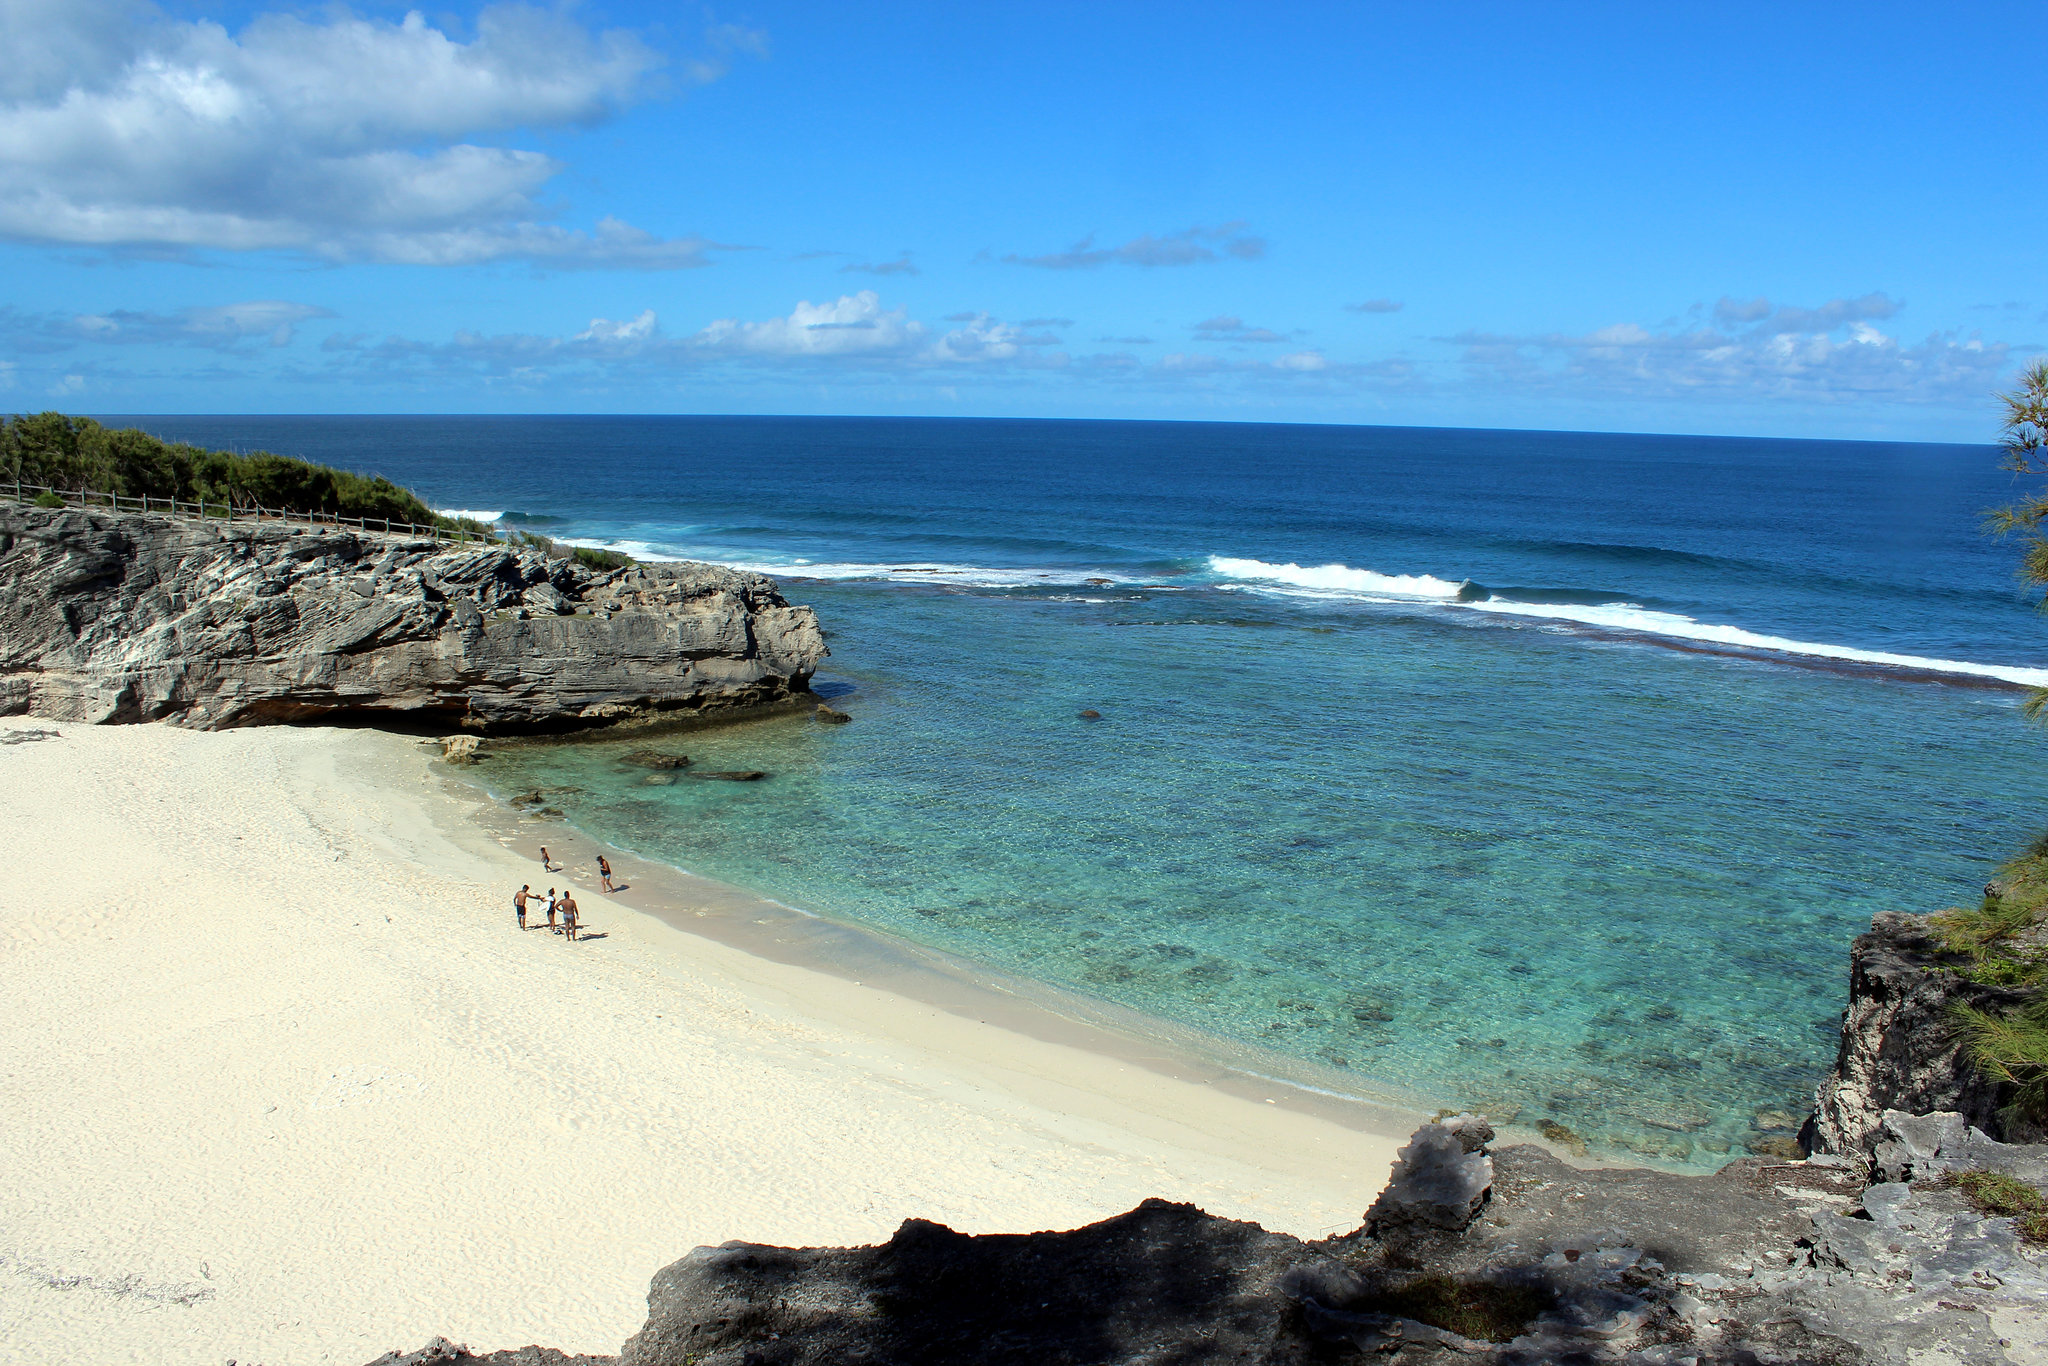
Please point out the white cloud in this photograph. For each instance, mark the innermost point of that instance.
(853, 324)
(605, 330)
(1752, 350)
(224, 325)
(1191, 246)
(346, 138)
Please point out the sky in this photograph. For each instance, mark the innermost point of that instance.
(1799, 220)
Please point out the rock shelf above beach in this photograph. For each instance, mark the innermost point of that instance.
(112, 618)
(1504, 1257)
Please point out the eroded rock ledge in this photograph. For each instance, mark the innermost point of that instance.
(108, 617)
(1503, 1257)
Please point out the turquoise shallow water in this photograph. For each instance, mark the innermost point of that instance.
(1604, 884)
(1588, 847)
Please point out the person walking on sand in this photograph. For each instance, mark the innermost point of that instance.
(604, 873)
(519, 903)
(547, 865)
(570, 915)
(552, 903)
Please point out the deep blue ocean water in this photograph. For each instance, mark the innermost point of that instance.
(1546, 772)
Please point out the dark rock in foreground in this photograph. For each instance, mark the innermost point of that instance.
(1761, 1264)
(108, 617)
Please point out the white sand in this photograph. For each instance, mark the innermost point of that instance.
(281, 1084)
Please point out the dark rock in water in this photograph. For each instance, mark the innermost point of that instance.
(832, 715)
(1900, 1049)
(1091, 715)
(1100, 582)
(654, 758)
(740, 776)
(133, 617)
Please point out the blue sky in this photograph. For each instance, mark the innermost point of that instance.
(1798, 220)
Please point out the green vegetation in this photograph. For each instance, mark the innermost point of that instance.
(1475, 1309)
(601, 559)
(76, 452)
(2002, 938)
(2025, 439)
(1998, 940)
(2006, 1197)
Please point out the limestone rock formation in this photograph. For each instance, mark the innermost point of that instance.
(1441, 1179)
(108, 617)
(1899, 1048)
(1763, 1264)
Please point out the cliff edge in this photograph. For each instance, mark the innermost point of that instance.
(1900, 1048)
(108, 617)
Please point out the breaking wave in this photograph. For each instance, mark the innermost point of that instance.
(1337, 580)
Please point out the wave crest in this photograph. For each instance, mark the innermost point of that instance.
(1337, 580)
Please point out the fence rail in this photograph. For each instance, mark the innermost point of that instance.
(236, 512)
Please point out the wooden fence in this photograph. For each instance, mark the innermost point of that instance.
(236, 512)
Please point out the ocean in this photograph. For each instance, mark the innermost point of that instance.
(1549, 773)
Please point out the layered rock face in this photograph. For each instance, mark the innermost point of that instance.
(1493, 1258)
(1899, 1047)
(108, 617)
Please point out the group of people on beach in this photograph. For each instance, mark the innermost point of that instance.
(563, 905)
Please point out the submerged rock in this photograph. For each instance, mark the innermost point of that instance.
(656, 759)
(746, 776)
(832, 715)
(131, 617)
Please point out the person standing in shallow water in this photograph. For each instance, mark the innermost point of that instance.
(519, 903)
(604, 873)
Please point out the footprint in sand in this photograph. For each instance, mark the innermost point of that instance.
(351, 1086)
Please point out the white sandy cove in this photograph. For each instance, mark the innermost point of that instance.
(280, 1083)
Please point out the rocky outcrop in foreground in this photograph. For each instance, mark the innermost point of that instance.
(108, 617)
(1760, 1264)
(1900, 1049)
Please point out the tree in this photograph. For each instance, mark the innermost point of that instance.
(2025, 439)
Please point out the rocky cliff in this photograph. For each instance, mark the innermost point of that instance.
(1899, 1048)
(108, 617)
(1759, 1264)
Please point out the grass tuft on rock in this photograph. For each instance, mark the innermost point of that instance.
(1483, 1310)
(2007, 1197)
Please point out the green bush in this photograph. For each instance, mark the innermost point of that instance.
(601, 559)
(46, 499)
(77, 452)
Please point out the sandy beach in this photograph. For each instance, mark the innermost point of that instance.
(284, 1084)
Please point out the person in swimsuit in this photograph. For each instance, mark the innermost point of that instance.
(552, 903)
(570, 915)
(547, 865)
(519, 903)
(604, 873)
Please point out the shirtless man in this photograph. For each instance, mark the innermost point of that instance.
(519, 903)
(570, 915)
(547, 865)
(552, 904)
(604, 873)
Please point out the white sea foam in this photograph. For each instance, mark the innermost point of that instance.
(470, 513)
(1336, 577)
(926, 571)
(1336, 581)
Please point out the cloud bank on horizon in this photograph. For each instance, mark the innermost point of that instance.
(519, 207)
